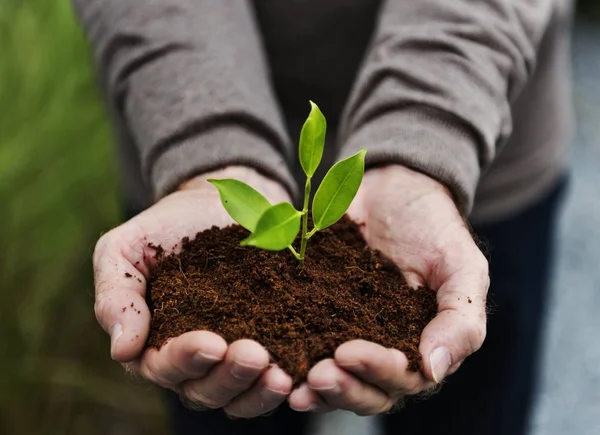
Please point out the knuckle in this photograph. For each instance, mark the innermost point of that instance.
(102, 309)
(378, 407)
(234, 412)
(357, 405)
(476, 332)
(411, 390)
(101, 245)
(198, 397)
(358, 400)
(148, 373)
(481, 263)
(238, 411)
(486, 282)
(193, 406)
(150, 370)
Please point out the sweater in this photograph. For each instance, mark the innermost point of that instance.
(475, 94)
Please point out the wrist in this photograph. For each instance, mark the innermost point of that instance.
(406, 180)
(396, 186)
(395, 194)
(270, 188)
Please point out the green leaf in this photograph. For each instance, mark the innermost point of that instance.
(276, 229)
(337, 190)
(312, 140)
(244, 204)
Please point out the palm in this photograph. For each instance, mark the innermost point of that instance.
(412, 220)
(414, 227)
(181, 214)
(199, 365)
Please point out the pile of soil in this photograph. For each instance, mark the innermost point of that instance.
(300, 313)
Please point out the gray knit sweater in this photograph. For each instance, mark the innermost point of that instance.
(474, 93)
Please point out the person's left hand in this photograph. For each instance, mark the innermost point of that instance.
(413, 220)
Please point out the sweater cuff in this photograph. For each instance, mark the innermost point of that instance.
(428, 140)
(215, 149)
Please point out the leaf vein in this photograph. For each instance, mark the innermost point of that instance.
(334, 196)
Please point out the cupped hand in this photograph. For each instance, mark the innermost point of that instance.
(413, 220)
(198, 365)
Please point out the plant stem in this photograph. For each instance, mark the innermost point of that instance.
(291, 248)
(304, 239)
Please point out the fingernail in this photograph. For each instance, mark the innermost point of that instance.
(244, 372)
(310, 408)
(355, 367)
(330, 389)
(202, 358)
(115, 332)
(271, 391)
(440, 363)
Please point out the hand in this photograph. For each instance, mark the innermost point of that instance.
(198, 365)
(412, 220)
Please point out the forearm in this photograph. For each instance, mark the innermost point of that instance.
(436, 86)
(190, 82)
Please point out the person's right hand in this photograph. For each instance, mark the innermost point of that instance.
(200, 366)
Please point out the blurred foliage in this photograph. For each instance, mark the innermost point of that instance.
(58, 192)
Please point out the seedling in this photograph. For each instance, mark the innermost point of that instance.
(275, 227)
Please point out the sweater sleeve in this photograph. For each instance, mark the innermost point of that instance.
(435, 88)
(190, 82)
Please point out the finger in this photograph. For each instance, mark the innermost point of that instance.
(385, 368)
(342, 390)
(120, 306)
(189, 356)
(459, 328)
(267, 394)
(244, 363)
(303, 399)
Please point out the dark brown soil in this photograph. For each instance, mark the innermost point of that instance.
(300, 313)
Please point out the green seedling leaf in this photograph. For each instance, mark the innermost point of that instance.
(244, 204)
(312, 140)
(338, 189)
(276, 229)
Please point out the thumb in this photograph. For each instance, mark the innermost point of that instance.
(120, 286)
(459, 328)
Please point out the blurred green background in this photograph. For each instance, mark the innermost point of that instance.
(58, 193)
